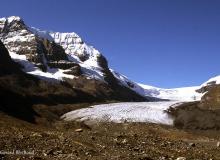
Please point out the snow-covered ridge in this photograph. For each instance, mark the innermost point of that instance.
(211, 81)
(180, 94)
(13, 18)
(10, 19)
(176, 94)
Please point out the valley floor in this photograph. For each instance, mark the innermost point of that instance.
(100, 141)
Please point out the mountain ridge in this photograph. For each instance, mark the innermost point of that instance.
(55, 56)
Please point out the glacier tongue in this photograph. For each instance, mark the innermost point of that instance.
(153, 112)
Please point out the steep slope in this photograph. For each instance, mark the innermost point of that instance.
(77, 51)
(7, 66)
(20, 91)
(212, 82)
(176, 94)
(9, 98)
(211, 98)
(55, 56)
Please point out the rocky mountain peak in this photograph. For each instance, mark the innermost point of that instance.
(19, 39)
(11, 24)
(53, 49)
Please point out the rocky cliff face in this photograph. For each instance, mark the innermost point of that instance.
(19, 91)
(7, 66)
(61, 56)
(19, 39)
(211, 91)
(211, 100)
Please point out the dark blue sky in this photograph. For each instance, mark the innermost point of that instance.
(166, 43)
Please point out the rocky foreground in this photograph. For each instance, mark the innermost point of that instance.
(73, 140)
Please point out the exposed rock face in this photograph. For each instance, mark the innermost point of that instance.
(210, 84)
(211, 100)
(20, 91)
(207, 87)
(203, 114)
(192, 116)
(62, 64)
(7, 66)
(66, 52)
(19, 39)
(4, 55)
(75, 70)
(12, 24)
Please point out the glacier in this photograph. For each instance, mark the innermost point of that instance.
(151, 112)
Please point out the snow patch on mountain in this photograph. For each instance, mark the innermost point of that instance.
(52, 74)
(41, 33)
(128, 83)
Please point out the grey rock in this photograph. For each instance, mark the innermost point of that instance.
(218, 144)
(181, 158)
(79, 130)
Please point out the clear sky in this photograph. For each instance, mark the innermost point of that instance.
(166, 43)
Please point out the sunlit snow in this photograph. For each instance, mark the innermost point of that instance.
(153, 112)
(51, 74)
(175, 94)
(178, 94)
(214, 80)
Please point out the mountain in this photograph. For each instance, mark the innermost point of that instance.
(192, 93)
(19, 92)
(63, 57)
(176, 94)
